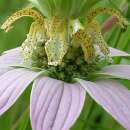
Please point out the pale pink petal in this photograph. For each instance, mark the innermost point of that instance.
(119, 71)
(12, 56)
(4, 70)
(113, 97)
(55, 105)
(117, 53)
(12, 85)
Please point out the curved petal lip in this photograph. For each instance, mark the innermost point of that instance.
(11, 57)
(113, 76)
(112, 96)
(13, 83)
(54, 104)
(116, 71)
(118, 53)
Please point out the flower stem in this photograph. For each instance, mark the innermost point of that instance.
(82, 122)
(89, 112)
(16, 124)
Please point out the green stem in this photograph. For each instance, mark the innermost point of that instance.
(16, 124)
(83, 120)
(89, 114)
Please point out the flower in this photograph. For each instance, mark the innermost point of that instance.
(63, 73)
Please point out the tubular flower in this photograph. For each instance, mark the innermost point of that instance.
(65, 61)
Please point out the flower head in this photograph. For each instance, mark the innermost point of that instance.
(65, 60)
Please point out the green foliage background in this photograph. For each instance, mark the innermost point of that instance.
(17, 118)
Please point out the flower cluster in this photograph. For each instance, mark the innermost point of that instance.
(66, 60)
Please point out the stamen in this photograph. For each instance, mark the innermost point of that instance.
(93, 13)
(94, 29)
(81, 37)
(56, 50)
(57, 46)
(24, 12)
(36, 36)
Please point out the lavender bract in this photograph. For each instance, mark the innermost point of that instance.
(61, 64)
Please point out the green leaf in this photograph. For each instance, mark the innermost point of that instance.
(128, 1)
(76, 7)
(87, 6)
(24, 120)
(83, 119)
(123, 43)
(46, 7)
(64, 8)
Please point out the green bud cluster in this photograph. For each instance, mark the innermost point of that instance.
(38, 58)
(74, 65)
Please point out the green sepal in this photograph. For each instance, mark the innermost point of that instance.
(87, 6)
(64, 8)
(42, 71)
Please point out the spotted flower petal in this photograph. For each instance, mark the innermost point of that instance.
(116, 53)
(119, 71)
(12, 56)
(55, 105)
(12, 84)
(113, 97)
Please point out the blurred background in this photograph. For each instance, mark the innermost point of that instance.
(17, 118)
